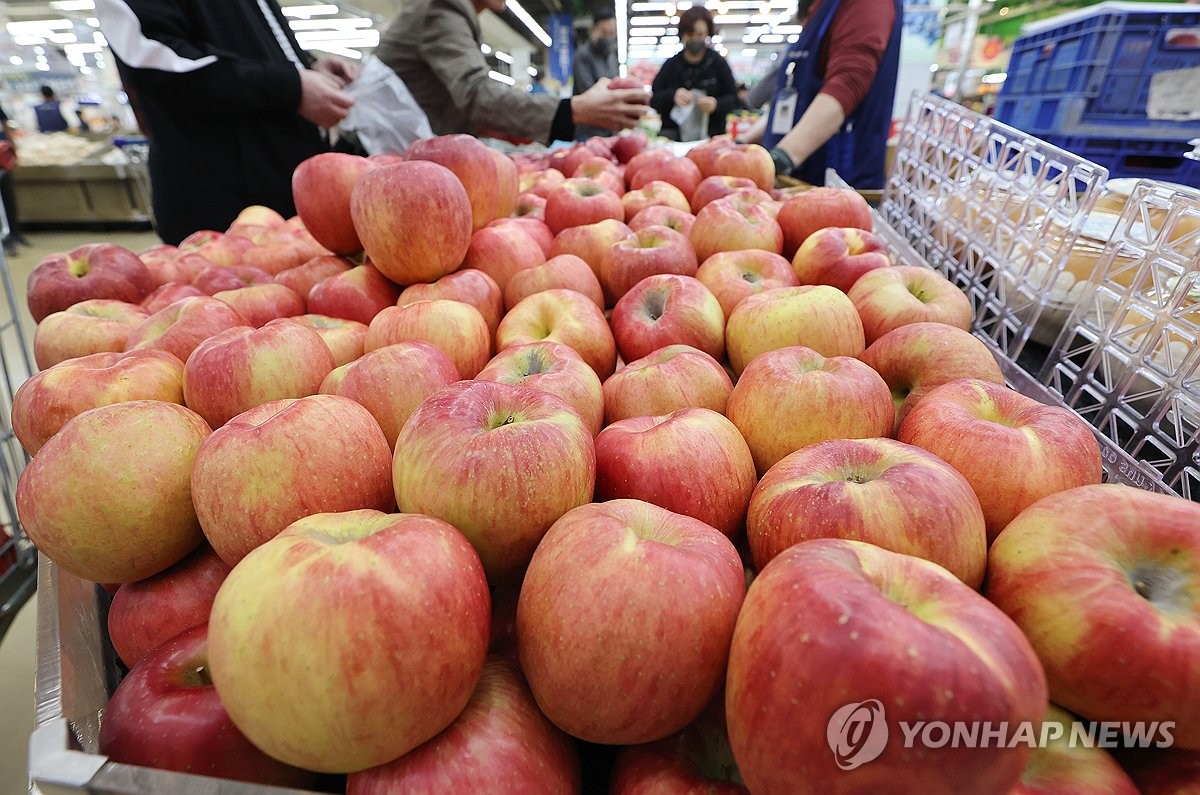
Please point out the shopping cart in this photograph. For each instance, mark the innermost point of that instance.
(18, 558)
(137, 150)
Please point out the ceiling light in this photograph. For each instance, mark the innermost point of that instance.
(73, 5)
(338, 23)
(503, 56)
(731, 19)
(485, 49)
(501, 78)
(334, 49)
(534, 28)
(998, 77)
(531, 71)
(771, 38)
(38, 26)
(668, 8)
(305, 12)
(640, 21)
(749, 52)
(16, 60)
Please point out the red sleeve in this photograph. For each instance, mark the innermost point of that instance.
(853, 48)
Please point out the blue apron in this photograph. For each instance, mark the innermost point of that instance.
(858, 151)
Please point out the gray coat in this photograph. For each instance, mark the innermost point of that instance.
(433, 46)
(590, 66)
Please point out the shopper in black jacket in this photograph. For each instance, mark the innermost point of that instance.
(697, 67)
(229, 101)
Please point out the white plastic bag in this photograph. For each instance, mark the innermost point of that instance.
(385, 117)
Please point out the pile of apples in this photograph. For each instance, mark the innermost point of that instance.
(480, 461)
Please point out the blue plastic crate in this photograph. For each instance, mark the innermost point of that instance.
(1131, 157)
(1090, 71)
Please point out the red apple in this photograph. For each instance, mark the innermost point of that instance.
(276, 257)
(304, 277)
(531, 205)
(321, 187)
(718, 187)
(414, 220)
(646, 158)
(630, 144)
(696, 760)
(561, 316)
(534, 227)
(502, 251)
(168, 294)
(734, 275)
(590, 242)
(555, 369)
(540, 183)
(500, 743)
(873, 638)
(469, 286)
(344, 338)
(650, 251)
(262, 303)
(359, 294)
(579, 202)
(160, 262)
(1162, 771)
(838, 257)
(792, 397)
(392, 381)
(667, 309)
(888, 298)
(1068, 767)
(880, 491)
(565, 271)
(660, 215)
(972, 425)
(669, 379)
(705, 155)
(243, 367)
(453, 327)
(654, 194)
(102, 270)
(749, 161)
(814, 209)
(214, 279)
(643, 661)
(821, 318)
(678, 171)
(97, 325)
(734, 223)
(258, 215)
(490, 178)
(167, 715)
(601, 170)
(501, 463)
(180, 327)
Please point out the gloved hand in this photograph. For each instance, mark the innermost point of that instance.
(784, 165)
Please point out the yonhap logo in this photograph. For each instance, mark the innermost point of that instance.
(857, 733)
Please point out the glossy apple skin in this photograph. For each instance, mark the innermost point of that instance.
(677, 171)
(358, 294)
(455, 328)
(489, 177)
(590, 242)
(696, 761)
(97, 325)
(650, 251)
(502, 252)
(215, 279)
(654, 194)
(1062, 769)
(839, 257)
(101, 270)
(321, 187)
(167, 715)
(888, 298)
(566, 271)
(661, 215)
(247, 485)
(579, 202)
(973, 424)
(303, 278)
(637, 663)
(344, 338)
(553, 368)
(562, 316)
(818, 208)
(716, 187)
(259, 304)
(469, 286)
(671, 378)
(874, 625)
(692, 462)
(818, 317)
(1167, 771)
(501, 743)
(668, 309)
(501, 463)
(734, 275)
(734, 223)
(1100, 579)
(883, 492)
(168, 294)
(749, 161)
(534, 226)
(289, 619)
(180, 327)
(149, 612)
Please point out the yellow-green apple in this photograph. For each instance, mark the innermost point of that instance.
(818, 317)
(654, 194)
(243, 367)
(916, 358)
(692, 461)
(814, 209)
(97, 325)
(109, 497)
(718, 187)
(215, 279)
(1162, 771)
(540, 183)
(888, 298)
(414, 220)
(613, 654)
(555, 369)
(179, 327)
(321, 188)
(259, 304)
(880, 491)
(303, 278)
(296, 614)
(453, 327)
(561, 316)
(838, 256)
(502, 251)
(749, 161)
(469, 286)
(566, 271)
(344, 338)
(601, 170)
(649, 251)
(490, 178)
(499, 462)
(168, 294)
(696, 760)
(645, 158)
(667, 309)
(669, 379)
(705, 155)
(47, 400)
(359, 294)
(883, 640)
(629, 144)
(167, 715)
(591, 242)
(147, 613)
(392, 381)
(1100, 579)
(1066, 766)
(732, 224)
(661, 215)
(579, 202)
(734, 275)
(534, 227)
(500, 743)
(973, 425)
(531, 205)
(102, 270)
(678, 171)
(258, 215)
(248, 483)
(792, 397)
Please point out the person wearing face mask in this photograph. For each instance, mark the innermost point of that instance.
(697, 68)
(595, 60)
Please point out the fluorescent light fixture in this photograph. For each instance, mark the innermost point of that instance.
(641, 21)
(345, 52)
(998, 77)
(531, 71)
(716, 39)
(27, 41)
(93, 22)
(33, 26)
(16, 60)
(668, 8)
(62, 38)
(501, 78)
(85, 70)
(933, 67)
(651, 31)
(749, 52)
(771, 38)
(684, 5)
(731, 19)
(503, 56)
(621, 10)
(485, 49)
(338, 38)
(787, 30)
(73, 5)
(339, 23)
(98, 37)
(307, 12)
(795, 37)
(635, 41)
(534, 28)
(82, 47)
(43, 67)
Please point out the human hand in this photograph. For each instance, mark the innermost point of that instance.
(342, 71)
(612, 109)
(707, 104)
(321, 99)
(683, 97)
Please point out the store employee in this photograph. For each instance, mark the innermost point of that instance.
(834, 93)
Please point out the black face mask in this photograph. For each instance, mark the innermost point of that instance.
(602, 47)
(695, 46)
